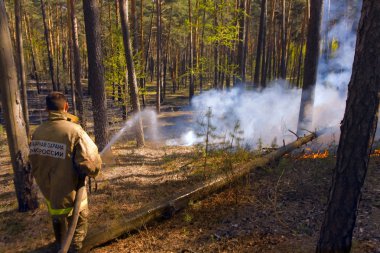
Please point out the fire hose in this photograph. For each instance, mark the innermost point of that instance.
(77, 202)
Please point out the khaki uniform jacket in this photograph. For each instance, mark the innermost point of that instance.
(59, 151)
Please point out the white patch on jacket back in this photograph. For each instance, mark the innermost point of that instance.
(48, 148)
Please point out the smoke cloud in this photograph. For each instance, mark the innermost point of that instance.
(267, 115)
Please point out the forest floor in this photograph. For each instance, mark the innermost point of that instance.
(275, 209)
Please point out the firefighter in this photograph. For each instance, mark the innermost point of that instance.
(61, 152)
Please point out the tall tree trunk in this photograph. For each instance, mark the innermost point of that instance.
(132, 81)
(146, 57)
(14, 120)
(260, 41)
(310, 68)
(71, 68)
(158, 44)
(300, 57)
(77, 65)
(191, 55)
(263, 81)
(241, 39)
(141, 80)
(202, 46)
(29, 37)
(357, 134)
(21, 64)
(216, 46)
(96, 71)
(283, 41)
(133, 27)
(50, 57)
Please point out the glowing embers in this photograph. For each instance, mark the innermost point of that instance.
(309, 154)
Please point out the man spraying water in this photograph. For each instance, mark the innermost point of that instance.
(61, 155)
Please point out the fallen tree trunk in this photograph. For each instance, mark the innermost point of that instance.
(167, 207)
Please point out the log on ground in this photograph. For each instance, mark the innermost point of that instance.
(167, 207)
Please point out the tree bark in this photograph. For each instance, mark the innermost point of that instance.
(191, 55)
(50, 57)
(357, 134)
(241, 41)
(283, 41)
(202, 46)
(158, 44)
(33, 55)
(132, 81)
(263, 81)
(14, 121)
(216, 46)
(77, 65)
(310, 68)
(21, 64)
(260, 41)
(96, 71)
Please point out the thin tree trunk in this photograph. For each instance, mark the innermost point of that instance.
(77, 65)
(283, 41)
(14, 121)
(21, 65)
(358, 130)
(29, 37)
(158, 42)
(263, 82)
(148, 48)
(191, 54)
(133, 29)
(141, 80)
(132, 81)
(310, 69)
(96, 71)
(216, 47)
(50, 58)
(167, 53)
(202, 49)
(241, 40)
(260, 41)
(300, 57)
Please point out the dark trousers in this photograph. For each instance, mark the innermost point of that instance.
(61, 225)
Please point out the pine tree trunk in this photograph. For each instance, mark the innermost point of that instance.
(33, 55)
(241, 39)
(14, 121)
(310, 68)
(132, 81)
(96, 71)
(283, 41)
(260, 42)
(357, 134)
(21, 65)
(216, 47)
(158, 42)
(202, 46)
(191, 54)
(263, 82)
(49, 48)
(133, 29)
(77, 65)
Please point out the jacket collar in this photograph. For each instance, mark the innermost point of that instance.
(61, 115)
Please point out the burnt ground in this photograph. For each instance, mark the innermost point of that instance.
(275, 209)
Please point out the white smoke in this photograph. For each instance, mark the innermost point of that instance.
(265, 116)
(270, 113)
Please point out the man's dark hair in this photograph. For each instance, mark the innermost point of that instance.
(55, 101)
